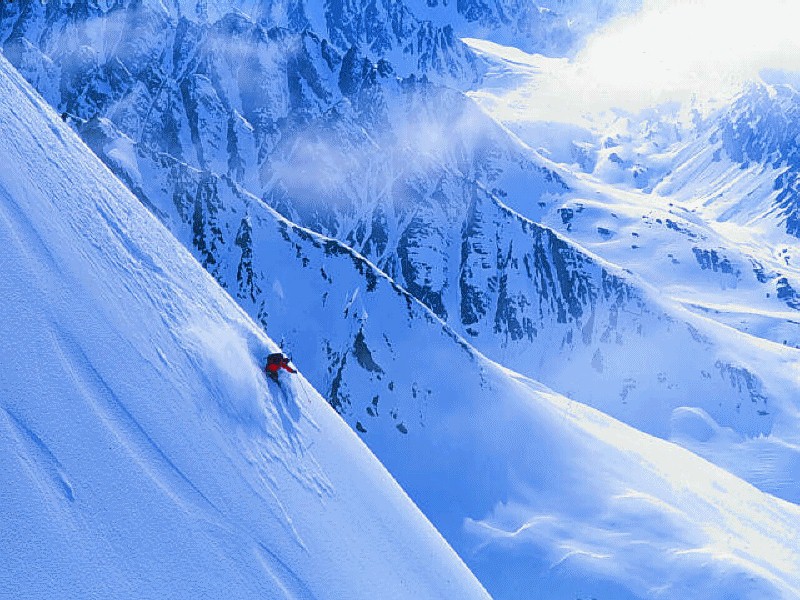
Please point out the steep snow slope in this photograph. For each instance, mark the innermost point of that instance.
(740, 165)
(142, 452)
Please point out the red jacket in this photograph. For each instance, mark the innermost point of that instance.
(275, 367)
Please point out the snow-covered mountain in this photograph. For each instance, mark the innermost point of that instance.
(743, 161)
(151, 399)
(596, 318)
(196, 113)
(694, 204)
(407, 173)
(143, 453)
(703, 229)
(321, 162)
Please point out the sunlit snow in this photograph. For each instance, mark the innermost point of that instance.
(670, 51)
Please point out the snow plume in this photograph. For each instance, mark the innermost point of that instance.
(319, 169)
(233, 378)
(242, 43)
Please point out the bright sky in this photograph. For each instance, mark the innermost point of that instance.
(671, 50)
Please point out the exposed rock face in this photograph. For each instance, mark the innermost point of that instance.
(762, 128)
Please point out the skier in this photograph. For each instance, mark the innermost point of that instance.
(276, 362)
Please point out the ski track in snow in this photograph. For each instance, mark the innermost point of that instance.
(290, 585)
(111, 411)
(36, 453)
